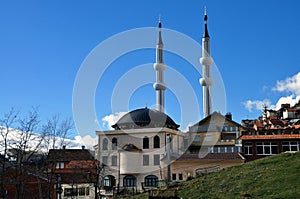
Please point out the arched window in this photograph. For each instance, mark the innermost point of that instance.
(151, 181)
(156, 141)
(129, 181)
(109, 182)
(145, 143)
(114, 144)
(105, 144)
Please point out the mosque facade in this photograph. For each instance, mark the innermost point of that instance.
(146, 149)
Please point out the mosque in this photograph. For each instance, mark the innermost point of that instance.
(146, 148)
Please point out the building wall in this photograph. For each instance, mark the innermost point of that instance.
(279, 147)
(131, 163)
(188, 168)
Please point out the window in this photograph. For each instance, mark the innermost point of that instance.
(114, 144)
(266, 148)
(290, 146)
(173, 176)
(109, 181)
(70, 191)
(180, 176)
(105, 144)
(129, 181)
(208, 137)
(81, 191)
(60, 165)
(156, 141)
(114, 160)
(185, 143)
(248, 148)
(156, 159)
(146, 160)
(151, 181)
(197, 138)
(145, 143)
(104, 160)
(106, 181)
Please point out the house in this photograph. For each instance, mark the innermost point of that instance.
(215, 133)
(27, 182)
(273, 134)
(73, 173)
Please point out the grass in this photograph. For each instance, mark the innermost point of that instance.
(272, 177)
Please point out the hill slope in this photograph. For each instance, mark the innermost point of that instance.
(272, 177)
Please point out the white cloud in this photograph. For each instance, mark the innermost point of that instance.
(292, 100)
(257, 104)
(290, 84)
(111, 119)
(87, 141)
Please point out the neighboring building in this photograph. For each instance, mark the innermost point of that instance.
(27, 182)
(259, 146)
(191, 165)
(215, 134)
(73, 173)
(272, 133)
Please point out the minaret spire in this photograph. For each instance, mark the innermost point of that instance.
(159, 66)
(206, 81)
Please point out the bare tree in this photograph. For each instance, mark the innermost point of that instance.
(6, 126)
(56, 130)
(27, 143)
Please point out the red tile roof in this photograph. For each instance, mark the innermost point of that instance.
(270, 137)
(66, 155)
(82, 164)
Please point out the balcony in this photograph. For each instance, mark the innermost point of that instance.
(225, 142)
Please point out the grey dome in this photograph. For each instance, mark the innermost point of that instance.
(145, 118)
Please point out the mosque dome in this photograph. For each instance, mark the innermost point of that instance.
(145, 118)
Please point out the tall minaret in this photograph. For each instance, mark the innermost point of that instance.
(159, 66)
(206, 81)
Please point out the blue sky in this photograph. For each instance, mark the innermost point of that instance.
(255, 46)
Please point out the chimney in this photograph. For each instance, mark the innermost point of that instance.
(228, 116)
(285, 105)
(82, 147)
(64, 147)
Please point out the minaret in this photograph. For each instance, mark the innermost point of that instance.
(206, 81)
(159, 66)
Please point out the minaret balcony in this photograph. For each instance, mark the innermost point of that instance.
(206, 61)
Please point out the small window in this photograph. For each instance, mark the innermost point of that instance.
(197, 138)
(114, 160)
(60, 165)
(248, 148)
(114, 144)
(180, 176)
(145, 143)
(106, 181)
(105, 144)
(146, 160)
(156, 141)
(104, 160)
(174, 176)
(81, 191)
(156, 159)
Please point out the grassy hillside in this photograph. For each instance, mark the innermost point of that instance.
(273, 177)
